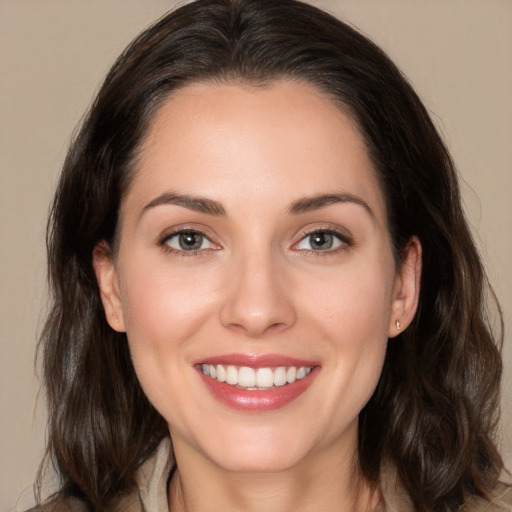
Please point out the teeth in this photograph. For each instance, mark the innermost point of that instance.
(231, 375)
(264, 378)
(246, 377)
(261, 378)
(291, 374)
(280, 376)
(221, 373)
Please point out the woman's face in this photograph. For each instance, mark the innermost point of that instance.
(254, 248)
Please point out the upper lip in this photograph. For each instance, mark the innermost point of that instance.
(256, 360)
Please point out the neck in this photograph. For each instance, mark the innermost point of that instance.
(328, 480)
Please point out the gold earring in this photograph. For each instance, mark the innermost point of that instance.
(397, 323)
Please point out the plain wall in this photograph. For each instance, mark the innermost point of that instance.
(53, 55)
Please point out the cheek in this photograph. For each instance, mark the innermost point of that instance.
(349, 316)
(162, 301)
(164, 314)
(163, 310)
(353, 301)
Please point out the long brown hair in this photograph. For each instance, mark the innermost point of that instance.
(435, 410)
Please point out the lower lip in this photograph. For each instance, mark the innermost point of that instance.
(257, 400)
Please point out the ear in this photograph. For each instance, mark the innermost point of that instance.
(106, 276)
(406, 291)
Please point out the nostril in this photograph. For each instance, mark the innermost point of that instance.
(256, 300)
(255, 329)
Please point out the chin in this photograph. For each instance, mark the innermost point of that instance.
(260, 451)
(256, 461)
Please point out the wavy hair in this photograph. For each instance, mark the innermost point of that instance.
(435, 410)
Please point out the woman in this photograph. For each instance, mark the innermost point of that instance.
(266, 296)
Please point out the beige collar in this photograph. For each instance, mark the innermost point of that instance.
(395, 497)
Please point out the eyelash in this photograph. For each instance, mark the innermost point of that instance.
(164, 243)
(345, 242)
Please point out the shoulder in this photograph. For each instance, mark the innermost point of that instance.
(500, 501)
(128, 503)
(396, 498)
(61, 505)
(149, 494)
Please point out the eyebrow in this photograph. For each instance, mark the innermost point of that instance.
(211, 207)
(198, 204)
(308, 204)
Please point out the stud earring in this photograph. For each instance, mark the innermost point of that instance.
(397, 323)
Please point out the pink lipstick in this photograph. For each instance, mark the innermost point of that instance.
(256, 383)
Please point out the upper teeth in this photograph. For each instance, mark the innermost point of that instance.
(246, 377)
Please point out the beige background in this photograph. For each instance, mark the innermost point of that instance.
(53, 54)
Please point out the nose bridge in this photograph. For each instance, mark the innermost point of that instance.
(257, 299)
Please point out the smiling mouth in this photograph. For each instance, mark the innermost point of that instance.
(255, 379)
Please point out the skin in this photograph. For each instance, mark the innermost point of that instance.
(257, 286)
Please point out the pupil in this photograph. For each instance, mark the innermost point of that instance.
(321, 241)
(190, 241)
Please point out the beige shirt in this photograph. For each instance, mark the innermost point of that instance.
(152, 478)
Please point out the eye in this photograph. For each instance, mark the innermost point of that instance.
(321, 240)
(189, 241)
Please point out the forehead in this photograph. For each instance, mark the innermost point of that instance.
(217, 140)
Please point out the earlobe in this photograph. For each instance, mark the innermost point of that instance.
(106, 276)
(407, 289)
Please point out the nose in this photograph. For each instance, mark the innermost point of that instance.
(258, 298)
